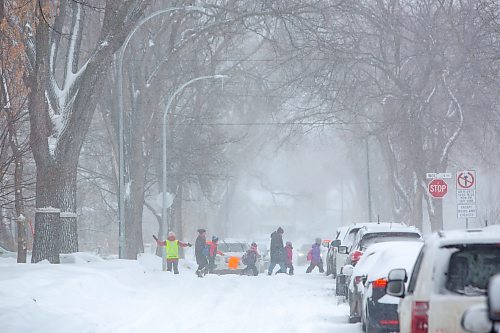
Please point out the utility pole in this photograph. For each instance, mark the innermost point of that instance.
(368, 180)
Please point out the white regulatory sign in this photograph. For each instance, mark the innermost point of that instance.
(465, 211)
(466, 196)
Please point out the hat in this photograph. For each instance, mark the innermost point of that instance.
(318, 240)
(253, 244)
(201, 230)
(288, 243)
(171, 234)
(280, 230)
(215, 238)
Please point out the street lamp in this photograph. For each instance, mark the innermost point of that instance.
(119, 88)
(164, 220)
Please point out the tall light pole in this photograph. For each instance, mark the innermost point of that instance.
(119, 88)
(164, 219)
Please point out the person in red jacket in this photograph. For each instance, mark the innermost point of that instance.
(172, 251)
(212, 253)
(288, 258)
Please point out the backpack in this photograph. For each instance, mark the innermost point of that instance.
(245, 259)
(309, 255)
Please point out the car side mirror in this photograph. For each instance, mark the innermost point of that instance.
(494, 298)
(398, 274)
(335, 243)
(396, 284)
(343, 250)
(395, 288)
(475, 319)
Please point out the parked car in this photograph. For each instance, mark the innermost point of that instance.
(366, 236)
(378, 233)
(485, 318)
(369, 277)
(344, 236)
(231, 248)
(379, 311)
(451, 274)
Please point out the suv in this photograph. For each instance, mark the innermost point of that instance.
(451, 274)
(378, 233)
(344, 237)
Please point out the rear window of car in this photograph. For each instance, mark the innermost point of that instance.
(232, 247)
(470, 267)
(380, 237)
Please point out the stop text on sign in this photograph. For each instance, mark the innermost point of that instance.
(438, 188)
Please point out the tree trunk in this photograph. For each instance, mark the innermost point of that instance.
(66, 193)
(46, 242)
(416, 217)
(22, 243)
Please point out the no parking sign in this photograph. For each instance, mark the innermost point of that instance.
(466, 194)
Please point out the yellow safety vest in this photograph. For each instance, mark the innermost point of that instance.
(172, 249)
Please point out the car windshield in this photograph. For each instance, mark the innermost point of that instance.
(380, 237)
(232, 247)
(470, 268)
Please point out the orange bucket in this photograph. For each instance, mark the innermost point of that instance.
(232, 263)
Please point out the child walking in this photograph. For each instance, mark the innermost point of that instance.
(250, 259)
(288, 258)
(315, 257)
(212, 253)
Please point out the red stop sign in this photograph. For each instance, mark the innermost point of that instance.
(438, 188)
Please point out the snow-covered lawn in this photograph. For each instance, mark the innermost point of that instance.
(95, 295)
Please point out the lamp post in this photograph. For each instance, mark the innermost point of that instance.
(119, 88)
(164, 219)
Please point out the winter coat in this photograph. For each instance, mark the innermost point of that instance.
(277, 248)
(316, 254)
(288, 254)
(251, 257)
(199, 248)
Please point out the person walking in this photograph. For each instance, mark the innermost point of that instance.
(200, 253)
(316, 260)
(288, 258)
(277, 252)
(172, 251)
(250, 259)
(212, 253)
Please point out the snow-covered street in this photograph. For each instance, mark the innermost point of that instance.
(94, 295)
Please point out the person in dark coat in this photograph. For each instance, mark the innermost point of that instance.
(277, 252)
(250, 260)
(316, 257)
(200, 253)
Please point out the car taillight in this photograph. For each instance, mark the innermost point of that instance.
(419, 317)
(355, 256)
(389, 322)
(380, 283)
